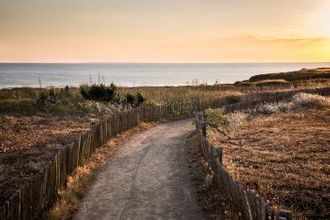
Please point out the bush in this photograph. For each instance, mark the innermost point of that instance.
(102, 93)
(113, 87)
(47, 98)
(306, 100)
(117, 99)
(130, 99)
(67, 90)
(99, 92)
(139, 98)
(42, 98)
(298, 101)
(273, 108)
(217, 118)
(83, 91)
(232, 99)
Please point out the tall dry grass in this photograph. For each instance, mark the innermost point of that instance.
(298, 101)
(169, 95)
(219, 119)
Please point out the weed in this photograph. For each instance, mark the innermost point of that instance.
(217, 118)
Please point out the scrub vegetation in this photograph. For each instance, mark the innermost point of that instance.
(281, 150)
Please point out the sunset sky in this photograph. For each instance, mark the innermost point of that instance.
(164, 30)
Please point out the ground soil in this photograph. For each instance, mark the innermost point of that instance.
(285, 157)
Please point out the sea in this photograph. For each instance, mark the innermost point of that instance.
(136, 74)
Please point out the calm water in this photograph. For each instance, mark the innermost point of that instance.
(142, 74)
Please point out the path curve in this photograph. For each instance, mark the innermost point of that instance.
(147, 178)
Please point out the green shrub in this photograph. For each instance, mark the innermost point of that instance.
(104, 93)
(42, 98)
(217, 118)
(233, 99)
(83, 91)
(134, 101)
(99, 92)
(113, 87)
(66, 90)
(47, 98)
(117, 99)
(139, 98)
(130, 99)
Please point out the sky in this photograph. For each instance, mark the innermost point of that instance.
(164, 30)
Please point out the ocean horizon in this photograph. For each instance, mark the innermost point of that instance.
(137, 74)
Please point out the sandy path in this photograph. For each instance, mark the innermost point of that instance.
(147, 178)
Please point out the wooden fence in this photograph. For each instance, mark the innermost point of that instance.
(245, 204)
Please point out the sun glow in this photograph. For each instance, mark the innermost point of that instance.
(165, 31)
(322, 19)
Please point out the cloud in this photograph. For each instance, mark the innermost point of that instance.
(294, 39)
(272, 39)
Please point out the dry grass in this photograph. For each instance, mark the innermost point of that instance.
(285, 157)
(180, 94)
(298, 101)
(22, 133)
(303, 100)
(81, 179)
(271, 82)
(303, 74)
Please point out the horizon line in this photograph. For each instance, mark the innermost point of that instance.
(161, 62)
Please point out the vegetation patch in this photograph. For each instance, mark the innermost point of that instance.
(298, 102)
(281, 151)
(303, 74)
(217, 118)
(109, 94)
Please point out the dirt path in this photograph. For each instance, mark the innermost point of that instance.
(147, 178)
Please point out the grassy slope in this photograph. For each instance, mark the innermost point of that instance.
(303, 74)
